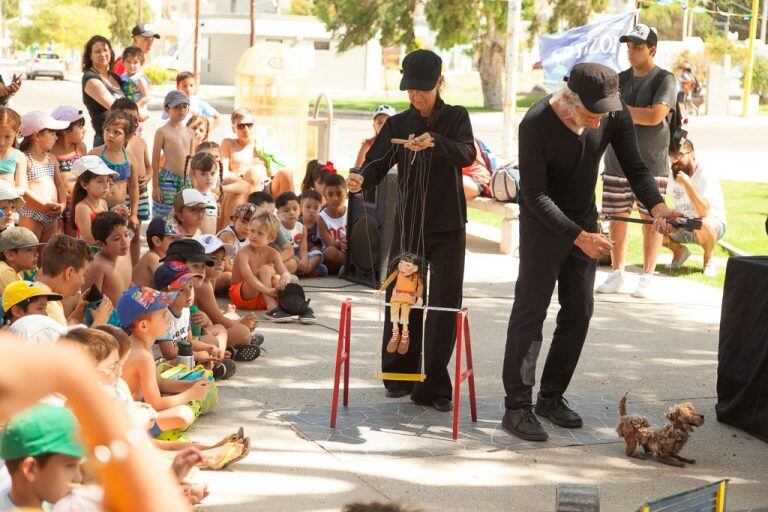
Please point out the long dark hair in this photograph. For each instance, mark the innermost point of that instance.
(314, 171)
(204, 161)
(87, 61)
(79, 193)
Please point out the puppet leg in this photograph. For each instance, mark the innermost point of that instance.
(405, 340)
(394, 313)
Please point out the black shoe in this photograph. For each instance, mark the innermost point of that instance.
(397, 392)
(524, 424)
(257, 338)
(307, 316)
(558, 412)
(442, 404)
(279, 316)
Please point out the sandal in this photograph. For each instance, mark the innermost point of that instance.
(245, 352)
(393, 341)
(231, 438)
(405, 341)
(230, 457)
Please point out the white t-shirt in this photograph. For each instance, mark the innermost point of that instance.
(210, 198)
(295, 235)
(337, 227)
(7, 505)
(179, 329)
(708, 187)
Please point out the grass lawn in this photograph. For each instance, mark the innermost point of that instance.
(400, 102)
(746, 206)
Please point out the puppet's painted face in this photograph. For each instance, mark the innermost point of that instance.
(406, 267)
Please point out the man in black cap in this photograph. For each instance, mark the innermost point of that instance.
(562, 138)
(649, 93)
(430, 218)
(142, 37)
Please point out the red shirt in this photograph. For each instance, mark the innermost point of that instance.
(118, 67)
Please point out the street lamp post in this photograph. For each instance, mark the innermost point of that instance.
(510, 90)
(748, 68)
(195, 50)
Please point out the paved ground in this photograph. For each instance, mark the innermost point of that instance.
(662, 350)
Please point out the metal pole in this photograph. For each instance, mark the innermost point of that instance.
(510, 90)
(691, 16)
(750, 59)
(764, 22)
(725, 46)
(686, 8)
(253, 22)
(195, 51)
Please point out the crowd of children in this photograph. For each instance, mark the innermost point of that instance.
(224, 225)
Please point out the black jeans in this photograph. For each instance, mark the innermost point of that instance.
(545, 259)
(445, 253)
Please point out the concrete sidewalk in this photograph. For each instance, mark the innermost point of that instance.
(663, 350)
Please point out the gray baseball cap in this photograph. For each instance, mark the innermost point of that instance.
(17, 237)
(175, 97)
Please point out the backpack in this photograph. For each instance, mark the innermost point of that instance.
(505, 183)
(675, 118)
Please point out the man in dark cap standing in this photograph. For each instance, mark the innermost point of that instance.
(562, 139)
(142, 37)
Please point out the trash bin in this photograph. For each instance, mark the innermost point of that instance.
(272, 80)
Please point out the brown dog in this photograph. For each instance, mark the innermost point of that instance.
(664, 443)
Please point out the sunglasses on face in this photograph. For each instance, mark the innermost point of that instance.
(243, 126)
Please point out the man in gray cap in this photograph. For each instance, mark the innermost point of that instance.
(562, 138)
(142, 37)
(18, 253)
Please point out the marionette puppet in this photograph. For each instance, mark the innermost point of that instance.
(408, 292)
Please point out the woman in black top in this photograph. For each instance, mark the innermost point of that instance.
(432, 213)
(101, 87)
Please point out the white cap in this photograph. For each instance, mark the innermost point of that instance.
(91, 163)
(8, 193)
(67, 113)
(212, 243)
(38, 329)
(35, 121)
(384, 109)
(191, 197)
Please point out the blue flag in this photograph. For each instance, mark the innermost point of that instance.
(596, 42)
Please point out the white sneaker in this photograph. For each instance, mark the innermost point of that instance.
(643, 287)
(710, 270)
(613, 283)
(676, 265)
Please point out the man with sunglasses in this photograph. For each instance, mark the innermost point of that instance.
(697, 194)
(562, 138)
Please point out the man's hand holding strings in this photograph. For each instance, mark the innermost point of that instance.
(420, 143)
(661, 217)
(354, 182)
(594, 245)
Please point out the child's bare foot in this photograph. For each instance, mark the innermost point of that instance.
(185, 460)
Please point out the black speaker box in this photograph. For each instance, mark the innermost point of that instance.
(370, 228)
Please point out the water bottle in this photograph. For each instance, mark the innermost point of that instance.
(185, 356)
(196, 329)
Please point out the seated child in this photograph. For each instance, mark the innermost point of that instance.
(159, 237)
(332, 223)
(89, 195)
(10, 201)
(236, 235)
(288, 211)
(209, 347)
(311, 205)
(111, 267)
(63, 263)
(259, 274)
(189, 251)
(18, 253)
(204, 173)
(23, 298)
(144, 315)
(189, 212)
(281, 243)
(43, 455)
(240, 333)
(314, 178)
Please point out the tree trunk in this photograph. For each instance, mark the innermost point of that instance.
(490, 65)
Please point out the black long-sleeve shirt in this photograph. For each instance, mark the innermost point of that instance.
(444, 205)
(558, 168)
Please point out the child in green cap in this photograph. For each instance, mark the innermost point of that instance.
(42, 455)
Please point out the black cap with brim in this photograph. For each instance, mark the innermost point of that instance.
(187, 250)
(144, 30)
(189, 258)
(597, 86)
(421, 71)
(601, 105)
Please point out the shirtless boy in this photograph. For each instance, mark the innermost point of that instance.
(111, 267)
(144, 315)
(159, 237)
(258, 273)
(174, 140)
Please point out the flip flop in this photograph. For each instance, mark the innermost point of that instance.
(230, 457)
(231, 438)
(245, 352)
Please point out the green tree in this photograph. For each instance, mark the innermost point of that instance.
(10, 8)
(478, 23)
(302, 7)
(65, 23)
(124, 15)
(668, 20)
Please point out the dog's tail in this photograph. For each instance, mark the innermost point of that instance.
(623, 405)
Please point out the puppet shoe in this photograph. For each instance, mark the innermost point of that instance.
(393, 342)
(405, 343)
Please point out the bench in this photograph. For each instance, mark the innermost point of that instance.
(510, 236)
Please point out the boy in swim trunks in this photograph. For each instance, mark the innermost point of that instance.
(174, 141)
(258, 273)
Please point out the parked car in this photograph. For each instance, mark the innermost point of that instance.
(46, 64)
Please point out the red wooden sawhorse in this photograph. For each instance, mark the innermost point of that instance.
(463, 342)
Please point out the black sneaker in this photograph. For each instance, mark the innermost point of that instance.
(279, 316)
(257, 339)
(558, 412)
(307, 316)
(524, 424)
(442, 404)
